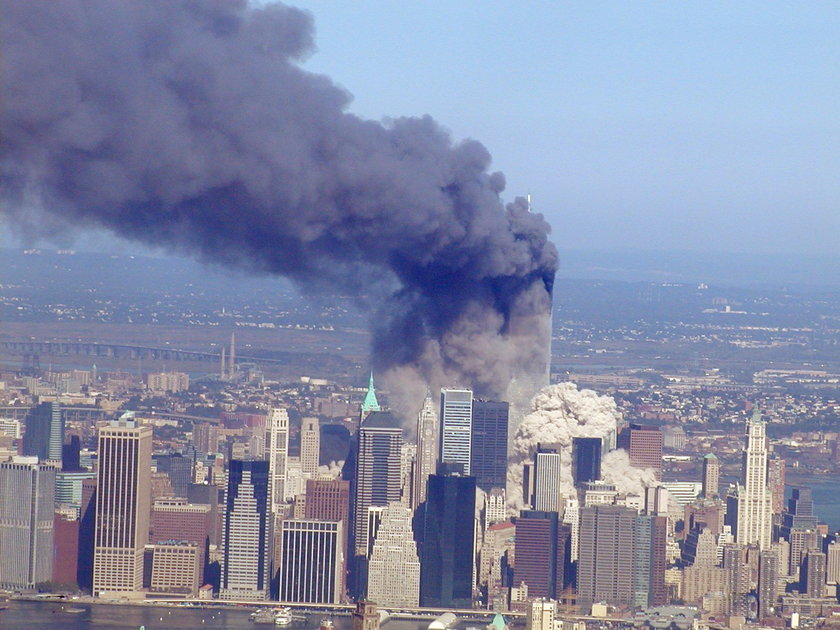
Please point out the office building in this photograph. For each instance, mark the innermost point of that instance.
(87, 535)
(377, 472)
(548, 480)
(310, 447)
(44, 436)
(278, 455)
(488, 451)
(123, 496)
(768, 579)
(711, 476)
(311, 561)
(447, 542)
(176, 567)
(541, 551)
(754, 521)
(247, 532)
(65, 546)
(68, 488)
(812, 574)
(26, 523)
(425, 462)
(776, 482)
(832, 567)
(541, 614)
(176, 519)
(456, 428)
(644, 447)
(394, 566)
(606, 554)
(178, 469)
(586, 459)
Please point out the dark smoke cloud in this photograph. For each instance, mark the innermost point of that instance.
(189, 125)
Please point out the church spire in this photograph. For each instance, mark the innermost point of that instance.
(370, 403)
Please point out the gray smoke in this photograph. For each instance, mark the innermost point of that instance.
(189, 125)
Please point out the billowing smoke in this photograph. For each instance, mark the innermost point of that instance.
(189, 125)
(560, 413)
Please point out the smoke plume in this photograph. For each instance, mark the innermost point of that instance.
(189, 125)
(560, 413)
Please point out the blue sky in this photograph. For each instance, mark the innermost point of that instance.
(646, 125)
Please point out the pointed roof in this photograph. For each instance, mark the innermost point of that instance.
(370, 403)
(710, 456)
(498, 622)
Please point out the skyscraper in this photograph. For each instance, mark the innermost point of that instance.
(310, 446)
(447, 545)
(44, 436)
(425, 461)
(394, 567)
(768, 577)
(311, 566)
(456, 427)
(711, 476)
(328, 500)
(541, 551)
(548, 478)
(606, 556)
(278, 455)
(754, 501)
(376, 481)
(776, 481)
(26, 523)
(123, 497)
(812, 574)
(644, 446)
(246, 533)
(586, 459)
(488, 451)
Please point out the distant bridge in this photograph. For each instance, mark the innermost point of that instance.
(94, 349)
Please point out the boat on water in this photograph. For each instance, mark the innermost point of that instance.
(274, 616)
(326, 624)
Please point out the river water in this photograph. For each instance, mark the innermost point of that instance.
(23, 615)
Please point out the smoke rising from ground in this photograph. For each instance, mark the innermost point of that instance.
(190, 126)
(558, 414)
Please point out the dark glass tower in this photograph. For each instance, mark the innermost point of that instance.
(247, 532)
(447, 540)
(44, 437)
(586, 459)
(488, 454)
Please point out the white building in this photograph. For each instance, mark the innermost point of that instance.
(754, 522)
(278, 453)
(310, 446)
(456, 427)
(427, 449)
(26, 523)
(540, 614)
(548, 478)
(394, 570)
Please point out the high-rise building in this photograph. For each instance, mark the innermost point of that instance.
(311, 561)
(44, 436)
(456, 427)
(754, 524)
(246, 534)
(425, 461)
(606, 554)
(375, 464)
(488, 451)
(176, 567)
(65, 546)
(832, 570)
(394, 567)
(328, 500)
(447, 542)
(87, 531)
(711, 476)
(310, 446)
(776, 481)
(541, 614)
(586, 459)
(68, 488)
(206, 437)
(278, 455)
(123, 497)
(176, 519)
(542, 548)
(179, 469)
(548, 479)
(812, 574)
(644, 447)
(26, 523)
(768, 578)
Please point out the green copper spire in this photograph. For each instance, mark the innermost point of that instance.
(370, 403)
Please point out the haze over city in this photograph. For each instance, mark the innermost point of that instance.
(416, 316)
